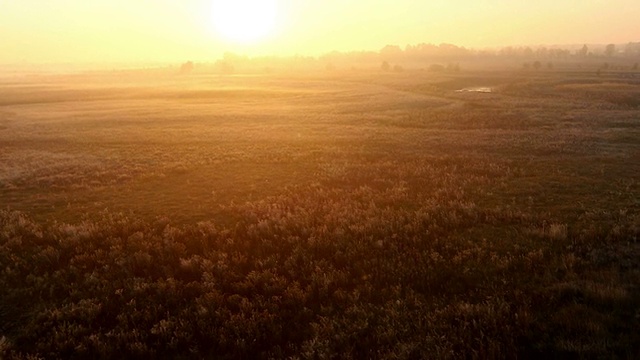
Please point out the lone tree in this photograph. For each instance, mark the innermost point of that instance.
(385, 66)
(224, 67)
(610, 50)
(186, 67)
(437, 68)
(584, 51)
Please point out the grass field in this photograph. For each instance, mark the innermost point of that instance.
(331, 215)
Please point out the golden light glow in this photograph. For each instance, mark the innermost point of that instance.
(244, 21)
(67, 31)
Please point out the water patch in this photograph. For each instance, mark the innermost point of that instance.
(476, 90)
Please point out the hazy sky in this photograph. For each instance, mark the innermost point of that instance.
(45, 31)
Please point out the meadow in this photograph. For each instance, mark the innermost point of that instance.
(333, 214)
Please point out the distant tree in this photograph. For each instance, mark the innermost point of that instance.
(385, 66)
(605, 66)
(635, 66)
(527, 52)
(186, 67)
(610, 50)
(542, 52)
(537, 65)
(526, 66)
(391, 52)
(398, 68)
(584, 51)
(550, 65)
(451, 67)
(632, 49)
(224, 66)
(507, 51)
(436, 68)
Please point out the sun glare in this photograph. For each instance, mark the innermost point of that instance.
(244, 21)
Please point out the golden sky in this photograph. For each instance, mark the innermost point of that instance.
(49, 31)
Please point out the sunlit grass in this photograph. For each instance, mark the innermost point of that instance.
(372, 216)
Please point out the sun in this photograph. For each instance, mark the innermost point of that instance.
(244, 21)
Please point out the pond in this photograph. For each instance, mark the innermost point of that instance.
(476, 89)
